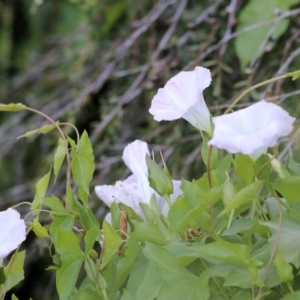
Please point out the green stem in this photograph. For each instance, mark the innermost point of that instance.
(273, 192)
(168, 199)
(220, 287)
(290, 74)
(291, 210)
(253, 210)
(290, 287)
(62, 136)
(94, 277)
(230, 219)
(208, 167)
(75, 129)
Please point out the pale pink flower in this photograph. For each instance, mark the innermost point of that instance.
(251, 130)
(12, 233)
(182, 97)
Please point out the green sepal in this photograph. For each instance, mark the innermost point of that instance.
(159, 179)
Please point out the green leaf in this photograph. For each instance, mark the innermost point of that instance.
(239, 277)
(40, 191)
(91, 236)
(82, 195)
(284, 269)
(126, 295)
(93, 274)
(87, 293)
(12, 107)
(245, 226)
(294, 167)
(296, 75)
(151, 233)
(38, 229)
(159, 179)
(87, 218)
(89, 223)
(14, 271)
(131, 214)
(221, 270)
(237, 254)
(205, 149)
(256, 11)
(44, 129)
(14, 297)
(64, 222)
(228, 192)
(2, 275)
(244, 168)
(59, 156)
(242, 294)
(187, 209)
(55, 205)
(126, 262)
(82, 164)
(262, 167)
(289, 241)
(112, 243)
(72, 258)
(279, 168)
(150, 285)
(293, 296)
(243, 196)
(178, 283)
(289, 188)
(144, 282)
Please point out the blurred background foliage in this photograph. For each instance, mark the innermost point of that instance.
(97, 65)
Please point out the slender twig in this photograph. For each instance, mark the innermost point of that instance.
(68, 172)
(260, 291)
(291, 74)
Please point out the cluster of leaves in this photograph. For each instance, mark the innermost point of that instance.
(234, 240)
(232, 234)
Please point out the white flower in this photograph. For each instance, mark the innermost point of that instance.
(182, 97)
(129, 192)
(251, 130)
(134, 156)
(12, 231)
(135, 189)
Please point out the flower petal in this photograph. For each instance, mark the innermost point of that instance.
(13, 231)
(134, 156)
(182, 98)
(251, 130)
(128, 192)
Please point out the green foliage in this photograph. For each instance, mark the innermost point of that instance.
(41, 188)
(159, 179)
(252, 43)
(44, 129)
(14, 271)
(12, 107)
(216, 240)
(82, 165)
(59, 156)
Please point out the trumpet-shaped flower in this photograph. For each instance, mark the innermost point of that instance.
(182, 97)
(13, 231)
(135, 189)
(251, 130)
